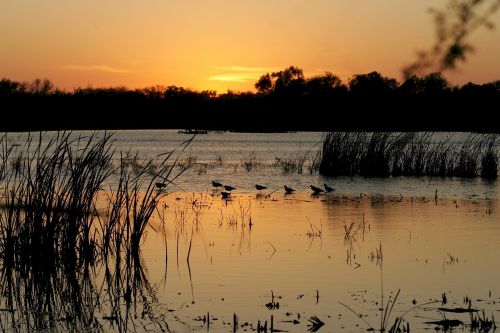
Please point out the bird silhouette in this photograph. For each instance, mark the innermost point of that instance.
(216, 184)
(225, 195)
(160, 185)
(316, 190)
(260, 187)
(288, 190)
(328, 188)
(229, 188)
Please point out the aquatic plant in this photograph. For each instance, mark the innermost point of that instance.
(293, 164)
(384, 154)
(71, 204)
(51, 205)
(481, 323)
(440, 158)
(385, 316)
(489, 161)
(376, 158)
(341, 153)
(468, 157)
(250, 162)
(290, 165)
(314, 231)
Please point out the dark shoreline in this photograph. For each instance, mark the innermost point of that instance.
(45, 114)
(370, 102)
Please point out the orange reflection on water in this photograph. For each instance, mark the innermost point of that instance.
(312, 252)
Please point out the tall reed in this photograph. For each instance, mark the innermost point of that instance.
(384, 154)
(51, 195)
(489, 160)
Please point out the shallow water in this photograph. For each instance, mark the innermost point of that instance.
(428, 247)
(288, 256)
(221, 156)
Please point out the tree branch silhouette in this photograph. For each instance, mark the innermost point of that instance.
(454, 24)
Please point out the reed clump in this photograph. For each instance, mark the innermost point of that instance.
(385, 154)
(251, 162)
(489, 160)
(56, 233)
(290, 165)
(52, 200)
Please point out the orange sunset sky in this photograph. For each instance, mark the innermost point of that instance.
(221, 44)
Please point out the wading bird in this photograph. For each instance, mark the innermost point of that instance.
(328, 188)
(216, 184)
(260, 187)
(160, 185)
(316, 190)
(288, 190)
(229, 188)
(225, 195)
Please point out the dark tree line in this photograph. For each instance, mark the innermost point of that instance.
(284, 101)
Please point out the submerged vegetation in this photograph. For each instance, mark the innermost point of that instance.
(384, 154)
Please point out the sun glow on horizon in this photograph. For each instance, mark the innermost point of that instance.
(221, 45)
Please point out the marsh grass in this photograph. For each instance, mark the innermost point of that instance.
(385, 317)
(481, 323)
(384, 154)
(376, 256)
(218, 161)
(240, 214)
(291, 164)
(314, 231)
(51, 196)
(55, 234)
(388, 321)
(187, 162)
(251, 162)
(354, 229)
(489, 160)
(341, 153)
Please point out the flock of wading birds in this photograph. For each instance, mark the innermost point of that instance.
(288, 190)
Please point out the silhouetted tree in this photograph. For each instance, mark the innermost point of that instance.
(372, 84)
(41, 87)
(8, 87)
(285, 101)
(323, 85)
(153, 92)
(431, 85)
(265, 84)
(289, 81)
(434, 84)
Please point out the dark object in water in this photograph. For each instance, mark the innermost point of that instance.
(316, 190)
(315, 325)
(216, 184)
(328, 188)
(260, 187)
(458, 310)
(160, 185)
(446, 323)
(229, 188)
(288, 190)
(192, 131)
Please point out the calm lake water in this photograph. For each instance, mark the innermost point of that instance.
(294, 257)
